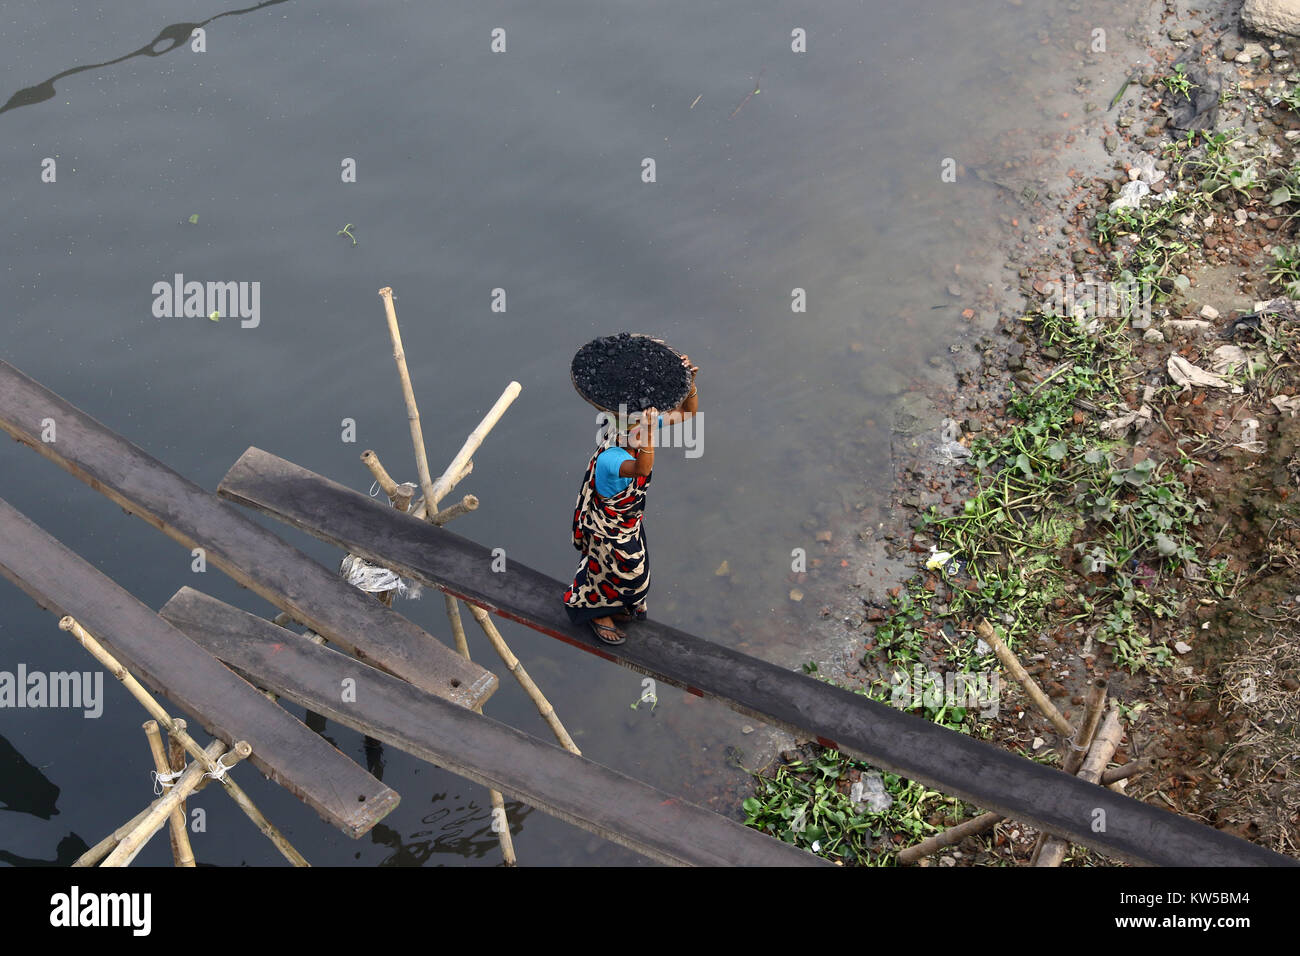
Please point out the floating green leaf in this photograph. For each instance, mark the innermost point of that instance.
(194, 219)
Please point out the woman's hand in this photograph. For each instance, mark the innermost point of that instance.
(693, 369)
(645, 429)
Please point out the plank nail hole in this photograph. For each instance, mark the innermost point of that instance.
(455, 682)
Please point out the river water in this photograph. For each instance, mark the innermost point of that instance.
(477, 171)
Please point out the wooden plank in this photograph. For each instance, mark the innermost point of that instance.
(247, 552)
(568, 786)
(987, 776)
(162, 657)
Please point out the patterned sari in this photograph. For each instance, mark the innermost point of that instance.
(614, 574)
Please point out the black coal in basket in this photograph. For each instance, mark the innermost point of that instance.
(632, 370)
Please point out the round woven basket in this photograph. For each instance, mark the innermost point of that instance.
(595, 404)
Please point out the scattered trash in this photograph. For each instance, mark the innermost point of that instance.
(938, 559)
(1286, 403)
(1130, 195)
(950, 450)
(1229, 358)
(1117, 426)
(1186, 374)
(1198, 108)
(373, 579)
(869, 793)
(1188, 326)
(1248, 440)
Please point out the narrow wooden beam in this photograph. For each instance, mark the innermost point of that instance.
(175, 667)
(580, 791)
(973, 770)
(247, 552)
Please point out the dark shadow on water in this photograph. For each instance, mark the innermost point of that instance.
(23, 788)
(65, 854)
(174, 35)
(468, 835)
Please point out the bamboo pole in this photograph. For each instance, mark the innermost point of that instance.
(1116, 774)
(1094, 705)
(156, 818)
(385, 480)
(457, 628)
(512, 664)
(464, 506)
(182, 853)
(419, 509)
(408, 393)
(100, 849)
(1078, 746)
(1011, 663)
(498, 801)
(1103, 749)
(176, 730)
(449, 477)
(948, 837)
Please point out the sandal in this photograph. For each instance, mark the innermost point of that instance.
(615, 636)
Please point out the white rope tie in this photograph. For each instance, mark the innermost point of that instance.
(220, 771)
(164, 781)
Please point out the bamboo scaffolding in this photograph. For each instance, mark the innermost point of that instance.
(534, 692)
(176, 731)
(400, 498)
(182, 853)
(156, 818)
(1103, 749)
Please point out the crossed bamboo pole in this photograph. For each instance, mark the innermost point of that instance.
(206, 764)
(402, 496)
(1088, 749)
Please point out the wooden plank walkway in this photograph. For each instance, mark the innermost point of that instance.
(987, 776)
(241, 548)
(158, 654)
(573, 788)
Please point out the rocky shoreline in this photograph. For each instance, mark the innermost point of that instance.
(1107, 472)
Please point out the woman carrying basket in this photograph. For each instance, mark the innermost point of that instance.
(613, 578)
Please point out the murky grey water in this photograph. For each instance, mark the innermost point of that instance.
(477, 171)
